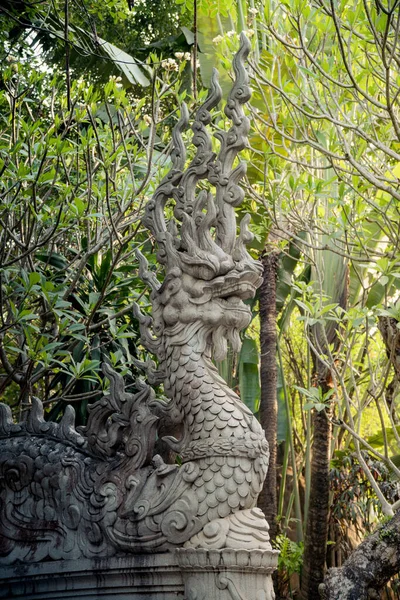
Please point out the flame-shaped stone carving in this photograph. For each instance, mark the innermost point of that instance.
(199, 309)
(100, 490)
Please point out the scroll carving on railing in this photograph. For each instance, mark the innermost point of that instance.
(99, 490)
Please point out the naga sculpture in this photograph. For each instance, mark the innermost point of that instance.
(99, 490)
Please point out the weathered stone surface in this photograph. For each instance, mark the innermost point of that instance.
(227, 574)
(155, 576)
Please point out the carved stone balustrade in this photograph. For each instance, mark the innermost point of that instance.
(135, 577)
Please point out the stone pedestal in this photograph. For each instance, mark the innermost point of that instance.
(188, 575)
(227, 574)
(136, 577)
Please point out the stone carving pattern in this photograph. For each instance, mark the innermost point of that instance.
(99, 490)
(227, 574)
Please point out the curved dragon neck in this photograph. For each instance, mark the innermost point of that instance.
(210, 408)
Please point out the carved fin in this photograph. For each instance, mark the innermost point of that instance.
(213, 99)
(232, 142)
(35, 416)
(178, 155)
(5, 420)
(240, 92)
(117, 386)
(151, 343)
(245, 237)
(154, 376)
(198, 168)
(234, 194)
(144, 273)
(177, 445)
(154, 218)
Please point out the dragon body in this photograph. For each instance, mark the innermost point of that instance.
(100, 490)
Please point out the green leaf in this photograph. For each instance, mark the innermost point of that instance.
(307, 71)
(283, 421)
(34, 278)
(189, 35)
(383, 279)
(52, 258)
(126, 63)
(286, 266)
(80, 206)
(321, 138)
(249, 378)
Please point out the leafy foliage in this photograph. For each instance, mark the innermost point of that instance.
(354, 503)
(74, 181)
(98, 39)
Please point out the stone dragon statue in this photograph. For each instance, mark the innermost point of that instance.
(100, 490)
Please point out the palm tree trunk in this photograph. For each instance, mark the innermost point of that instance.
(316, 537)
(318, 513)
(267, 500)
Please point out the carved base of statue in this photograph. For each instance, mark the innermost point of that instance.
(227, 574)
(131, 577)
(231, 559)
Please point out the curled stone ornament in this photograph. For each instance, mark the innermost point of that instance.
(101, 490)
(246, 529)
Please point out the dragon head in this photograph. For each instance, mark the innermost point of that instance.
(208, 270)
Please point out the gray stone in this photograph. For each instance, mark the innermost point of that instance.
(228, 574)
(156, 577)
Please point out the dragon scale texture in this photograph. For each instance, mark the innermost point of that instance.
(222, 435)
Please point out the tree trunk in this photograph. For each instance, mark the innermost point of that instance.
(333, 285)
(389, 328)
(267, 500)
(318, 513)
(369, 567)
